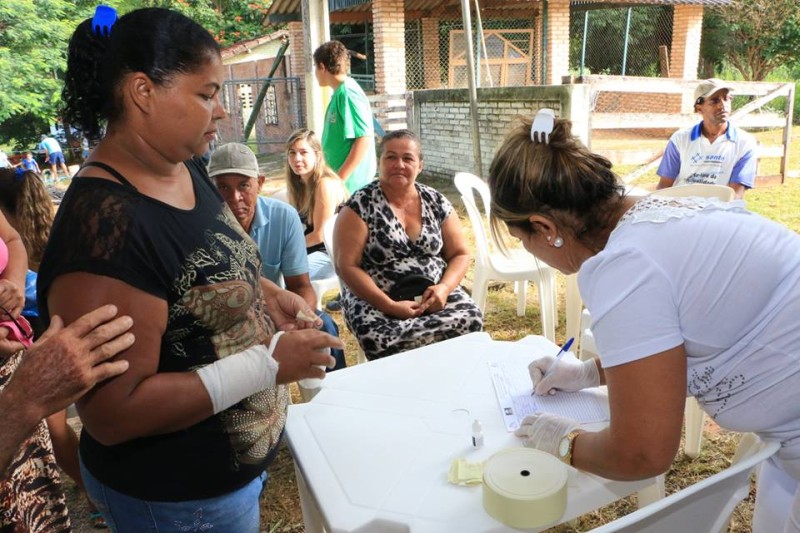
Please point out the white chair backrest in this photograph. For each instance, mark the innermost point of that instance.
(467, 184)
(723, 192)
(327, 234)
(704, 507)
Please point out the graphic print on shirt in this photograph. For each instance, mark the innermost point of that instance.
(228, 308)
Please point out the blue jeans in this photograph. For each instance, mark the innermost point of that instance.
(320, 266)
(236, 511)
(330, 327)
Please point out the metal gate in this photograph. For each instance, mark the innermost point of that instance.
(280, 112)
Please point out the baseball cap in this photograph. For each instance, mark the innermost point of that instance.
(708, 87)
(233, 158)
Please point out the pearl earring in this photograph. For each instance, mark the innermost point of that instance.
(558, 243)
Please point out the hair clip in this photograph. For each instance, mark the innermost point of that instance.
(542, 126)
(19, 174)
(104, 18)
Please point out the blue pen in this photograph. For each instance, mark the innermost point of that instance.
(564, 349)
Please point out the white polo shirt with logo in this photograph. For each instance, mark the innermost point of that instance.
(690, 158)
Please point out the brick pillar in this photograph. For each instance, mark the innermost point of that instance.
(687, 27)
(557, 41)
(537, 46)
(388, 19)
(297, 59)
(431, 61)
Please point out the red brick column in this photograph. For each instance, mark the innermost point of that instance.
(687, 27)
(388, 19)
(431, 63)
(557, 41)
(296, 59)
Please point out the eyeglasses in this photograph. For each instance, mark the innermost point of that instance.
(23, 326)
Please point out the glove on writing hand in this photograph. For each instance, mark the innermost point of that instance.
(568, 375)
(544, 431)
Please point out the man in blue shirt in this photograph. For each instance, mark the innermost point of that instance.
(54, 156)
(713, 151)
(274, 226)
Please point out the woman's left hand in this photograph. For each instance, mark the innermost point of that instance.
(434, 298)
(544, 431)
(12, 298)
(289, 311)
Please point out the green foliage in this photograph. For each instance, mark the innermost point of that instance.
(33, 37)
(754, 36)
(22, 131)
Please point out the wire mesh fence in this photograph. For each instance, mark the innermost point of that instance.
(627, 41)
(631, 41)
(504, 52)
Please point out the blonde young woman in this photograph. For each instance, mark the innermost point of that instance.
(315, 191)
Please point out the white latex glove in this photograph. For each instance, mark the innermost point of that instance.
(568, 375)
(544, 431)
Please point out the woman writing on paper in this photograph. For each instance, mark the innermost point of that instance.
(663, 279)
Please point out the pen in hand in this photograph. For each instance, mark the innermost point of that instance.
(564, 349)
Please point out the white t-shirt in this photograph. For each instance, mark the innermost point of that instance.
(723, 282)
(690, 158)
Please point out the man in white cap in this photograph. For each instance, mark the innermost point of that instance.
(274, 226)
(713, 151)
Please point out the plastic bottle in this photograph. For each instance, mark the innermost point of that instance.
(477, 434)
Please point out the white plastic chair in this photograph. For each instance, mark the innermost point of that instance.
(491, 264)
(704, 507)
(327, 238)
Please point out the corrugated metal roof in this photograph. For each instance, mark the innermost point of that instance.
(292, 7)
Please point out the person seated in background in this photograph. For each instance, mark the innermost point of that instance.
(316, 192)
(274, 226)
(713, 151)
(663, 279)
(400, 252)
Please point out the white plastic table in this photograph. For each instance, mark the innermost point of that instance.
(373, 448)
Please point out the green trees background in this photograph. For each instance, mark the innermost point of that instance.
(749, 39)
(33, 47)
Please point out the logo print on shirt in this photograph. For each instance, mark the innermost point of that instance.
(697, 157)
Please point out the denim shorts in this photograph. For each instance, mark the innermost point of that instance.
(56, 158)
(236, 511)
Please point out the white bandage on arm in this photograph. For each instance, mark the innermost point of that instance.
(234, 378)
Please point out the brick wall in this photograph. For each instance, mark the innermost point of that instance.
(442, 119)
(687, 27)
(432, 63)
(615, 102)
(297, 60)
(557, 40)
(390, 61)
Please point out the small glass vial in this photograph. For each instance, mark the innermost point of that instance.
(477, 434)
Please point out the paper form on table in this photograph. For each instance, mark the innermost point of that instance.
(512, 385)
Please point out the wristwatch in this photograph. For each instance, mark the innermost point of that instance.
(565, 447)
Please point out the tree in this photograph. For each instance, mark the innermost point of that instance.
(33, 48)
(756, 36)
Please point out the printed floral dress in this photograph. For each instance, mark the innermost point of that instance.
(389, 255)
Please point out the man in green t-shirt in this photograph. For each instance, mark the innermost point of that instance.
(348, 139)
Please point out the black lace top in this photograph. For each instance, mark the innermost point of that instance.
(207, 270)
